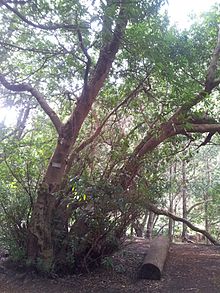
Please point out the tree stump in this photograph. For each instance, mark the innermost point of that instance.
(154, 260)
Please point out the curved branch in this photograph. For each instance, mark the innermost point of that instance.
(25, 87)
(108, 52)
(49, 27)
(70, 130)
(197, 204)
(163, 212)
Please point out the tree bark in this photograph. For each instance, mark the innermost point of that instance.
(154, 261)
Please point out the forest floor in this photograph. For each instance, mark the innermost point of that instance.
(189, 268)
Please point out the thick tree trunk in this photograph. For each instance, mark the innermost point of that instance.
(153, 263)
(42, 225)
(40, 243)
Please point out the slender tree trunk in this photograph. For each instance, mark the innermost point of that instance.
(138, 229)
(132, 230)
(184, 200)
(143, 224)
(150, 224)
(171, 208)
(206, 198)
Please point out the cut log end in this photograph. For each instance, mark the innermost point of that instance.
(150, 272)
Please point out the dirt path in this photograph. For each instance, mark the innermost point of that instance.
(189, 268)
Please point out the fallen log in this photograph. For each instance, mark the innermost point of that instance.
(155, 258)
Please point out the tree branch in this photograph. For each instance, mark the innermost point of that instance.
(70, 130)
(163, 212)
(89, 61)
(211, 81)
(197, 204)
(49, 27)
(108, 52)
(25, 87)
(34, 50)
(197, 128)
(98, 76)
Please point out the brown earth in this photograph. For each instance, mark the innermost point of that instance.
(189, 268)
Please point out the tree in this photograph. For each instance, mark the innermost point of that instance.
(70, 59)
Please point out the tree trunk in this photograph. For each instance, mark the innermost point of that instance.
(184, 199)
(42, 225)
(171, 222)
(206, 199)
(40, 243)
(153, 263)
(150, 224)
(138, 229)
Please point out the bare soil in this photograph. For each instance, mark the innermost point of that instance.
(189, 268)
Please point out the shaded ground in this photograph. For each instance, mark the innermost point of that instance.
(189, 268)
